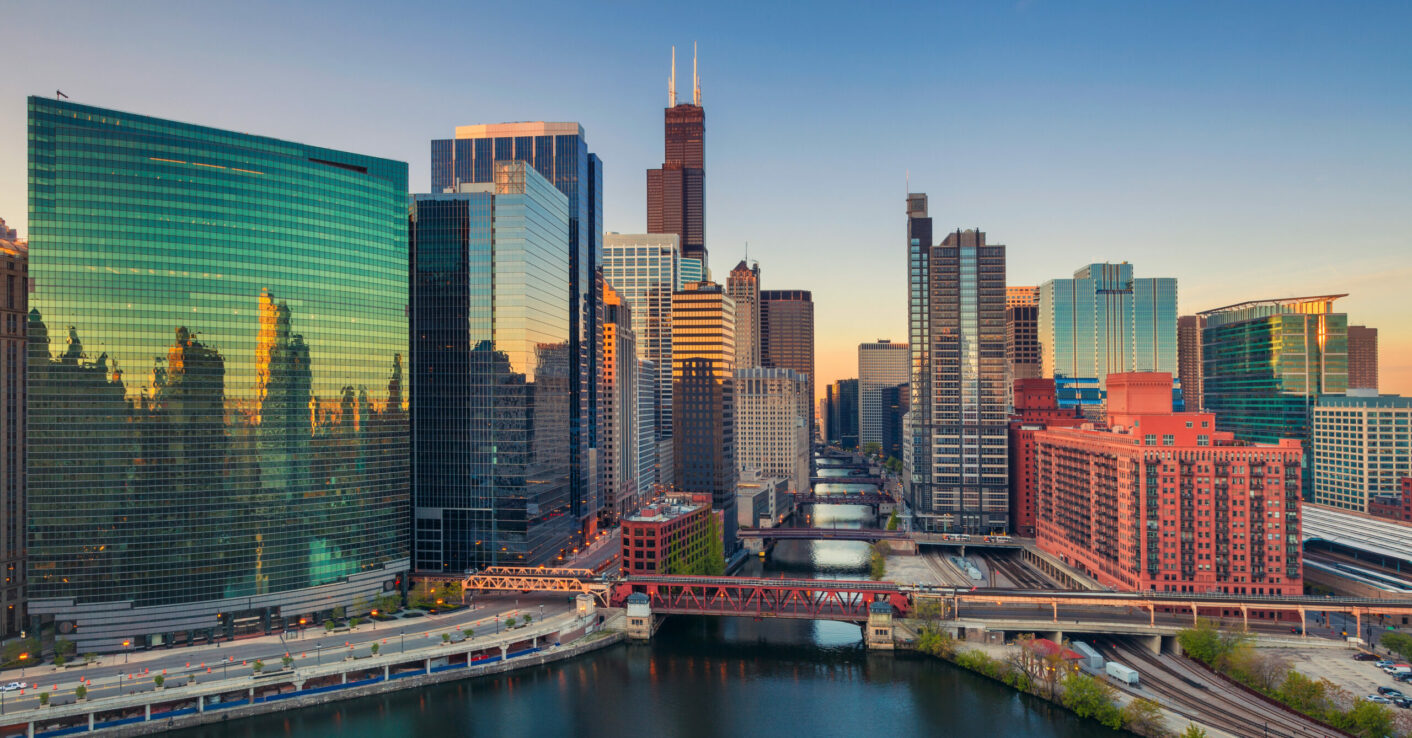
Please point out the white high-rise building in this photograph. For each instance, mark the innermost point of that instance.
(771, 427)
(881, 365)
(645, 268)
(1362, 446)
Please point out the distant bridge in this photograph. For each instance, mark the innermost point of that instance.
(808, 599)
(873, 499)
(860, 479)
(822, 534)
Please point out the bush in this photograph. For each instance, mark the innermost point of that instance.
(80, 691)
(468, 633)
(510, 622)
(1144, 717)
(355, 622)
(59, 659)
(257, 666)
(1192, 731)
(287, 660)
(159, 680)
(329, 626)
(1207, 644)
(375, 648)
(43, 698)
(527, 618)
(1091, 698)
(445, 637)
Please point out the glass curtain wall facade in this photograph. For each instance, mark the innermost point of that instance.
(559, 152)
(645, 269)
(15, 255)
(703, 392)
(491, 374)
(1266, 363)
(1104, 321)
(217, 422)
(958, 429)
(843, 413)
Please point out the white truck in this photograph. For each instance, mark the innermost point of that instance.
(1089, 656)
(1122, 673)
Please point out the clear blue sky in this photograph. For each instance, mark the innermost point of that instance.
(1248, 149)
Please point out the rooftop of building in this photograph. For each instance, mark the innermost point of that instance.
(1382, 536)
(521, 128)
(1361, 401)
(1312, 304)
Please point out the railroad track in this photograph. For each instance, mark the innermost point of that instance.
(1019, 575)
(1212, 699)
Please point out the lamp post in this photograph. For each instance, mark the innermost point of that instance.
(374, 617)
(318, 654)
(127, 651)
(24, 661)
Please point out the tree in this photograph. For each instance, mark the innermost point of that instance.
(286, 660)
(375, 648)
(928, 610)
(1090, 698)
(1304, 694)
(1144, 717)
(1193, 731)
(59, 659)
(445, 637)
(1399, 643)
(257, 666)
(89, 658)
(64, 647)
(872, 448)
(1259, 671)
(14, 648)
(361, 606)
(1369, 719)
(526, 618)
(43, 698)
(893, 520)
(355, 622)
(510, 622)
(338, 612)
(80, 691)
(877, 563)
(159, 680)
(329, 626)
(467, 632)
(1205, 643)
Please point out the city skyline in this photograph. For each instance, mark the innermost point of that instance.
(1113, 145)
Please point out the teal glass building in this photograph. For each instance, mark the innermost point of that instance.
(491, 368)
(1105, 321)
(218, 426)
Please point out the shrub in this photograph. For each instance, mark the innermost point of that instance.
(355, 622)
(80, 691)
(43, 698)
(375, 648)
(1091, 698)
(287, 660)
(468, 633)
(1192, 731)
(445, 637)
(1144, 717)
(59, 659)
(328, 625)
(510, 622)
(527, 618)
(257, 666)
(159, 680)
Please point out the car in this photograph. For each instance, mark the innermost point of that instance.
(1390, 692)
(1361, 656)
(1403, 677)
(1384, 663)
(12, 686)
(1378, 699)
(1402, 702)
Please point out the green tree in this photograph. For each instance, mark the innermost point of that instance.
(893, 521)
(329, 626)
(1370, 720)
(1143, 716)
(1399, 643)
(527, 618)
(446, 637)
(257, 667)
(1091, 698)
(361, 606)
(159, 680)
(14, 648)
(510, 622)
(43, 698)
(375, 648)
(80, 691)
(59, 659)
(286, 660)
(1209, 645)
(1304, 694)
(872, 448)
(1193, 731)
(467, 632)
(714, 564)
(338, 612)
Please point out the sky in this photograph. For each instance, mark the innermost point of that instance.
(1251, 150)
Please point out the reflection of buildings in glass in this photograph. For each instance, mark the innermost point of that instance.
(14, 309)
(703, 395)
(254, 463)
(491, 373)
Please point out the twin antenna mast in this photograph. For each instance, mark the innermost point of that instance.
(695, 80)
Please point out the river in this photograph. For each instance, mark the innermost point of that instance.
(707, 677)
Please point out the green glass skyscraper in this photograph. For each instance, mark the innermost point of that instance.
(216, 405)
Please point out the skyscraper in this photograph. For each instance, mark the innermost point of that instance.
(703, 395)
(771, 436)
(787, 334)
(1022, 334)
(957, 421)
(1362, 357)
(1189, 360)
(490, 373)
(843, 413)
(222, 440)
(647, 443)
(1361, 447)
(676, 191)
(559, 152)
(896, 401)
(618, 436)
(1105, 321)
(881, 365)
(1266, 362)
(644, 269)
(743, 286)
(15, 254)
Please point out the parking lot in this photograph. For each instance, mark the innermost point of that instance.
(1361, 678)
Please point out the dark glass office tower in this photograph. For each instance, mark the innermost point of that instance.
(217, 419)
(703, 396)
(559, 152)
(959, 465)
(843, 413)
(676, 192)
(491, 373)
(787, 337)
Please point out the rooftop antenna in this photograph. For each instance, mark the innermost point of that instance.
(672, 82)
(747, 251)
(695, 80)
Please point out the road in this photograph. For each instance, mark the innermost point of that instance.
(119, 673)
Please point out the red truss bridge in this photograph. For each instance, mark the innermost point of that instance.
(808, 599)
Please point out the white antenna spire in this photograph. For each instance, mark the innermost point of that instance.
(672, 82)
(695, 80)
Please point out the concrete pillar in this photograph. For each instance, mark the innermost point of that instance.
(426, 664)
(1245, 618)
(201, 703)
(386, 674)
(1153, 643)
(90, 722)
(1055, 605)
(1303, 628)
(1171, 645)
(252, 695)
(29, 729)
(1193, 614)
(344, 675)
(148, 715)
(504, 652)
(1152, 615)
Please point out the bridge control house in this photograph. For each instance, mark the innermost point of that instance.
(1161, 501)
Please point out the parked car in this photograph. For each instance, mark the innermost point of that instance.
(1403, 677)
(1390, 692)
(1384, 663)
(1402, 702)
(1378, 699)
(1361, 656)
(12, 686)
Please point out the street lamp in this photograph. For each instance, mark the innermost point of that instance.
(126, 651)
(374, 615)
(23, 658)
(318, 654)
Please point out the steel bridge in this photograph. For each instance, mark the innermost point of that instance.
(861, 479)
(849, 600)
(810, 599)
(873, 499)
(822, 534)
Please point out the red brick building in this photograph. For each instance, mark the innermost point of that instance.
(1162, 501)
(1036, 408)
(1391, 505)
(673, 532)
